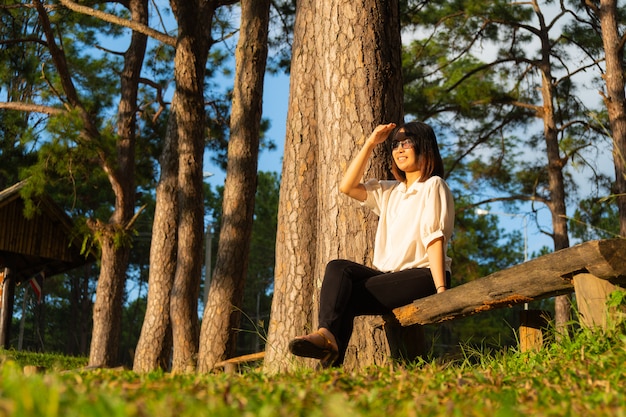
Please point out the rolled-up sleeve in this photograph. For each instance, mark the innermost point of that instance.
(438, 218)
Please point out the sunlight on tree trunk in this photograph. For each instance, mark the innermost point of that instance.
(615, 98)
(194, 27)
(156, 323)
(291, 310)
(176, 252)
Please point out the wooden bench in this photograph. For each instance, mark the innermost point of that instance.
(578, 268)
(591, 269)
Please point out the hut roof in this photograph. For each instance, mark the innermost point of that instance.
(45, 242)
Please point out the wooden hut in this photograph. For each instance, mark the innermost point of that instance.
(29, 246)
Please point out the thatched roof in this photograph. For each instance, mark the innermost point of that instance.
(43, 242)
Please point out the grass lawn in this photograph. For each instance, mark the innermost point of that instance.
(583, 376)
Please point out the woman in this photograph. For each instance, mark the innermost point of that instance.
(416, 218)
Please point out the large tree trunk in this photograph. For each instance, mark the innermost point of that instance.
(359, 86)
(223, 311)
(114, 261)
(297, 208)
(156, 324)
(176, 249)
(188, 114)
(615, 99)
(555, 165)
(353, 61)
(107, 309)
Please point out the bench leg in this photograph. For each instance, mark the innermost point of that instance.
(591, 296)
(533, 324)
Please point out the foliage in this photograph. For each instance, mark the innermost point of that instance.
(473, 70)
(594, 219)
(18, 81)
(51, 361)
(583, 375)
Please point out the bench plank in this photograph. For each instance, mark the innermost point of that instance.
(543, 277)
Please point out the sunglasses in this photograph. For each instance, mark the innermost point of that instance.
(406, 144)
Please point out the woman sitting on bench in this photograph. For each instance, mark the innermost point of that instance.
(416, 218)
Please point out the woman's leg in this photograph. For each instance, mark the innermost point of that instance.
(350, 289)
(396, 289)
(343, 290)
(343, 281)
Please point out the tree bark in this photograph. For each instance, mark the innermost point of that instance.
(107, 309)
(223, 311)
(615, 99)
(556, 164)
(291, 310)
(115, 256)
(349, 53)
(176, 249)
(188, 114)
(368, 54)
(156, 324)
(7, 298)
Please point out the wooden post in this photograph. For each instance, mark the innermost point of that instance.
(591, 296)
(6, 310)
(533, 324)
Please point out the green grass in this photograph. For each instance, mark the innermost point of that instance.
(579, 377)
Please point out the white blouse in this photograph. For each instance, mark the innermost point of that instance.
(409, 220)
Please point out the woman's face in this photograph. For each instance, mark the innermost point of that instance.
(403, 152)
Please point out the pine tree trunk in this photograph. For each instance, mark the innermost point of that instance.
(115, 256)
(7, 298)
(359, 86)
(156, 323)
(177, 238)
(555, 169)
(186, 285)
(297, 212)
(188, 113)
(223, 311)
(615, 99)
(107, 309)
(345, 79)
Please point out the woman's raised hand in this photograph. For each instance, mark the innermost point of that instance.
(380, 133)
(351, 182)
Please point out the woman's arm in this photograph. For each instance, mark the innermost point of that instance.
(351, 182)
(436, 259)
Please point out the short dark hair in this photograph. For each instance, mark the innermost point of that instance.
(424, 144)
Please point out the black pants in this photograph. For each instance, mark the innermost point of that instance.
(350, 289)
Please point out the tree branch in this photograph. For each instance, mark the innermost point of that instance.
(107, 17)
(30, 107)
(519, 197)
(159, 93)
